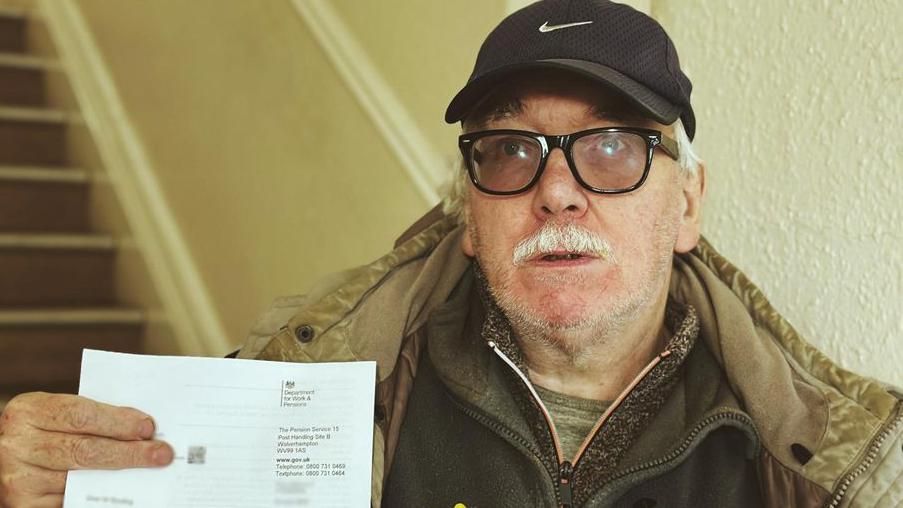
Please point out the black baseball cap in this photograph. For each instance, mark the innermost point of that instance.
(608, 42)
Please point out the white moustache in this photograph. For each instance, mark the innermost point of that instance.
(556, 238)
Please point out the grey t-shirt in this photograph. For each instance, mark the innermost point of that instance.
(573, 417)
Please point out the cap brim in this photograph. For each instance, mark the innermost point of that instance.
(645, 99)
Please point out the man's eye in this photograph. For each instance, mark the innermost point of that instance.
(514, 149)
(610, 146)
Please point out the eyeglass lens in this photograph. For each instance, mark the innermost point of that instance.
(604, 160)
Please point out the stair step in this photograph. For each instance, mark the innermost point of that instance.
(40, 349)
(29, 62)
(12, 30)
(33, 136)
(70, 317)
(59, 242)
(22, 79)
(35, 115)
(44, 174)
(42, 200)
(56, 270)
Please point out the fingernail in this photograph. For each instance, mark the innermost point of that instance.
(146, 428)
(162, 455)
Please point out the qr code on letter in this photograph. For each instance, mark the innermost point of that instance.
(197, 454)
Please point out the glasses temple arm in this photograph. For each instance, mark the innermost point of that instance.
(669, 146)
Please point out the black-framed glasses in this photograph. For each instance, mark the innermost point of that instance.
(608, 160)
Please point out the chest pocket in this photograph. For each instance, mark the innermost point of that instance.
(716, 474)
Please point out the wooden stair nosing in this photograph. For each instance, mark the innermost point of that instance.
(37, 115)
(40, 174)
(11, 241)
(25, 61)
(71, 316)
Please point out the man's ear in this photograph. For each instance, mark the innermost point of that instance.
(691, 221)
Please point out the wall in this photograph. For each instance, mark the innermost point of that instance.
(274, 173)
(247, 122)
(425, 69)
(798, 105)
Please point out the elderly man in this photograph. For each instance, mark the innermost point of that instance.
(560, 336)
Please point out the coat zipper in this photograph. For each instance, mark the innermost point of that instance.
(870, 456)
(493, 425)
(566, 468)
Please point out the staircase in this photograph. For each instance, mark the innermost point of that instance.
(57, 275)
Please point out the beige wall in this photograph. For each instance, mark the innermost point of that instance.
(245, 119)
(425, 51)
(268, 163)
(798, 106)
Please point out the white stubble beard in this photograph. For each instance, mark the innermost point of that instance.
(574, 336)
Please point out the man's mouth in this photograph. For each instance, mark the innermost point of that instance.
(561, 244)
(561, 256)
(557, 257)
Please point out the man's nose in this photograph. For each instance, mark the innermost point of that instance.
(558, 192)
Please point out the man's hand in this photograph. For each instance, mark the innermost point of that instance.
(43, 435)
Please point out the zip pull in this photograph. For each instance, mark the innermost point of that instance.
(565, 489)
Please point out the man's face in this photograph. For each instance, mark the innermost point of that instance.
(559, 298)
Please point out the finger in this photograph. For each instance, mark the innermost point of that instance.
(59, 451)
(32, 483)
(78, 415)
(48, 501)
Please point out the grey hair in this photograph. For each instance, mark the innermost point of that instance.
(455, 191)
(687, 157)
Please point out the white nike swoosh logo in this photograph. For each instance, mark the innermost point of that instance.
(546, 27)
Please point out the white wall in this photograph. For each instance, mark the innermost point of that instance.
(798, 105)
